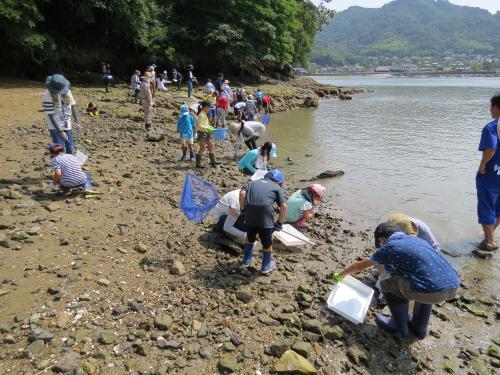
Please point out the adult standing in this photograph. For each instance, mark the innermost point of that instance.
(60, 107)
(222, 109)
(257, 200)
(135, 83)
(209, 87)
(204, 131)
(226, 90)
(146, 97)
(250, 108)
(219, 82)
(488, 179)
(190, 78)
(107, 77)
(177, 78)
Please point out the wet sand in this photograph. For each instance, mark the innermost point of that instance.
(124, 282)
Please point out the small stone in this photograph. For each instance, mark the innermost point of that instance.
(313, 325)
(8, 244)
(119, 310)
(4, 328)
(206, 352)
(293, 363)
(334, 333)
(141, 248)
(40, 334)
(103, 282)
(89, 367)
(228, 346)
(482, 254)
(53, 206)
(163, 321)
(81, 334)
(227, 364)
(305, 349)
(244, 295)
(357, 355)
(64, 241)
(107, 337)
(67, 363)
(53, 290)
(268, 321)
(34, 231)
(132, 306)
(20, 236)
(197, 325)
(164, 344)
(177, 268)
(35, 348)
(9, 339)
(10, 194)
(304, 297)
(279, 347)
(34, 319)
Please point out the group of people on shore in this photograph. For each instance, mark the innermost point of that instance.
(407, 259)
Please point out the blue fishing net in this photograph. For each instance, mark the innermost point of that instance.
(198, 197)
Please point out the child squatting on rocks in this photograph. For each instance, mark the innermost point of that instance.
(301, 203)
(68, 171)
(414, 271)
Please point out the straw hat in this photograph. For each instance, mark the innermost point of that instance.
(234, 127)
(404, 223)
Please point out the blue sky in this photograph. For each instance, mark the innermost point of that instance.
(491, 5)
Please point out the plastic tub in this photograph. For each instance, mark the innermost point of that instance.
(259, 173)
(288, 240)
(220, 134)
(351, 299)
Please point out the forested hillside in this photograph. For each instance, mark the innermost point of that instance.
(408, 28)
(73, 35)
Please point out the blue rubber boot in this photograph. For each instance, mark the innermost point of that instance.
(247, 254)
(183, 157)
(397, 323)
(267, 262)
(420, 321)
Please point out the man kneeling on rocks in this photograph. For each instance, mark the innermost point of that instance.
(68, 171)
(413, 271)
(257, 199)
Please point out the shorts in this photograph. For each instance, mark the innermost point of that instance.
(265, 235)
(212, 112)
(186, 140)
(204, 135)
(400, 288)
(488, 203)
(259, 102)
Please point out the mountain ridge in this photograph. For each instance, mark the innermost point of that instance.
(409, 28)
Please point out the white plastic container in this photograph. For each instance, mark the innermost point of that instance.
(259, 173)
(81, 157)
(288, 240)
(351, 299)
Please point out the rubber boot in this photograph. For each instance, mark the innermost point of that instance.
(183, 157)
(398, 322)
(267, 262)
(198, 161)
(191, 156)
(420, 321)
(247, 254)
(213, 162)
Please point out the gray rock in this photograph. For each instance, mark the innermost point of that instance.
(40, 334)
(305, 349)
(10, 194)
(206, 352)
(268, 321)
(155, 135)
(244, 295)
(228, 347)
(4, 328)
(141, 248)
(333, 332)
(8, 244)
(164, 344)
(34, 231)
(107, 337)
(313, 325)
(357, 354)
(304, 297)
(103, 282)
(20, 236)
(133, 306)
(279, 347)
(67, 363)
(35, 348)
(81, 335)
(227, 364)
(163, 321)
(9, 339)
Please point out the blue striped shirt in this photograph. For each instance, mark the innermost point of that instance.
(71, 170)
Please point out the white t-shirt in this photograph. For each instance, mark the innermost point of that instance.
(258, 127)
(231, 199)
(59, 106)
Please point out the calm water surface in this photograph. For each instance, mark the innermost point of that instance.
(409, 146)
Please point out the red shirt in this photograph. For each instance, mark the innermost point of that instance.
(267, 99)
(222, 102)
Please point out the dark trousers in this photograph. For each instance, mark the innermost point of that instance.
(251, 143)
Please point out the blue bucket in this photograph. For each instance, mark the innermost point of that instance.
(220, 134)
(266, 119)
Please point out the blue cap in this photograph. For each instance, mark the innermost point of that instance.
(276, 175)
(57, 84)
(184, 110)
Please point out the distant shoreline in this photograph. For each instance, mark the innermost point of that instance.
(404, 74)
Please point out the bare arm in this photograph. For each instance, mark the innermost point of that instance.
(75, 114)
(243, 194)
(358, 267)
(54, 123)
(282, 214)
(487, 156)
(57, 177)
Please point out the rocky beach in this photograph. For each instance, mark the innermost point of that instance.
(121, 282)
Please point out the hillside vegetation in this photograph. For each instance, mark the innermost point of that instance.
(407, 28)
(71, 35)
